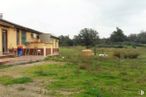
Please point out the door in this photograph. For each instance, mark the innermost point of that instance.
(4, 41)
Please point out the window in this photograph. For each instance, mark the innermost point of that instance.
(23, 37)
(34, 36)
(31, 35)
(4, 40)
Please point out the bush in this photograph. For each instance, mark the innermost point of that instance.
(131, 54)
(119, 46)
(110, 46)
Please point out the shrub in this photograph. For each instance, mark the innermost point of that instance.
(119, 46)
(131, 54)
(110, 46)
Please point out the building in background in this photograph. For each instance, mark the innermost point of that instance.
(33, 42)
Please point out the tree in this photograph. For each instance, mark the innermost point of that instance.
(118, 36)
(141, 37)
(76, 40)
(88, 37)
(65, 41)
(132, 38)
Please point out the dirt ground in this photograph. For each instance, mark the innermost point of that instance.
(33, 89)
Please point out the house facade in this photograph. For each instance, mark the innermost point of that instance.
(34, 42)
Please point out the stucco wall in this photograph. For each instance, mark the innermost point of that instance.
(29, 37)
(0, 41)
(11, 38)
(39, 45)
(55, 43)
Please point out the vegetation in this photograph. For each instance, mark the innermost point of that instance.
(73, 75)
(89, 37)
(103, 77)
(65, 41)
(131, 54)
(8, 80)
(118, 36)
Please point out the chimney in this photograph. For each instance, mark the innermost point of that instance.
(1, 15)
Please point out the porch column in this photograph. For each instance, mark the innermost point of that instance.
(45, 51)
(0, 42)
(51, 50)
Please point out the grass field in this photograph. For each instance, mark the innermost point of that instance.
(70, 75)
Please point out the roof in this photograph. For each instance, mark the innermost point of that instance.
(10, 24)
(52, 36)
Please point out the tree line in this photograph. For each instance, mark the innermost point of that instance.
(89, 37)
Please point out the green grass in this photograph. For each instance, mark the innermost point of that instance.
(103, 77)
(67, 78)
(7, 80)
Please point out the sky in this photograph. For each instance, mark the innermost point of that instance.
(68, 17)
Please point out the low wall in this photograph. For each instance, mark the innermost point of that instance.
(37, 51)
(55, 50)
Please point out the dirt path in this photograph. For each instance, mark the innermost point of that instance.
(16, 69)
(24, 90)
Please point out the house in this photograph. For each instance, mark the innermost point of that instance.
(33, 42)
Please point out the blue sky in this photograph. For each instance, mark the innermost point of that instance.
(68, 17)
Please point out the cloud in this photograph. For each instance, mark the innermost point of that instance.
(127, 14)
(68, 17)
